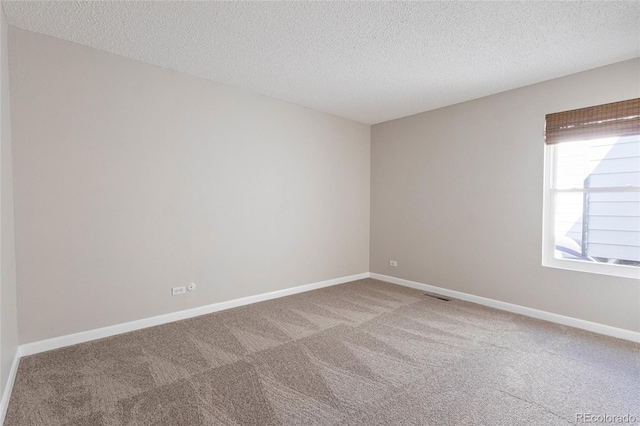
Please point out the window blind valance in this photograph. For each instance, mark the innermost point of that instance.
(601, 121)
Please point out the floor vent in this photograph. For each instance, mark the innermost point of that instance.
(437, 296)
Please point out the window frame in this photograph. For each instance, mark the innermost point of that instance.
(548, 232)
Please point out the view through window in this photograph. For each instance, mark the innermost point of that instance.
(596, 200)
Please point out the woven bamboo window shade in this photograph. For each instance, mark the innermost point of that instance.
(602, 121)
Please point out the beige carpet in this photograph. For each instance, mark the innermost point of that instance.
(362, 353)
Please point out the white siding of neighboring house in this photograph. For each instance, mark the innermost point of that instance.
(613, 219)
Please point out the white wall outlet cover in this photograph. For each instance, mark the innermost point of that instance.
(393, 263)
(178, 290)
(191, 287)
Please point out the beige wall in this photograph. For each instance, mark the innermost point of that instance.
(131, 179)
(8, 315)
(457, 199)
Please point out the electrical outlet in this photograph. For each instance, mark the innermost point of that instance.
(178, 290)
(393, 263)
(191, 287)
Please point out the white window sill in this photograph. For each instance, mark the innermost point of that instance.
(593, 267)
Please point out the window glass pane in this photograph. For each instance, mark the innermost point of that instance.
(568, 225)
(598, 163)
(605, 180)
(598, 226)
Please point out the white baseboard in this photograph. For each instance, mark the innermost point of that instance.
(6, 395)
(99, 333)
(607, 330)
(85, 336)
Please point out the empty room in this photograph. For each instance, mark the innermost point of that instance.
(319, 213)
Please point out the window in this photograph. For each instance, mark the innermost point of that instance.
(592, 189)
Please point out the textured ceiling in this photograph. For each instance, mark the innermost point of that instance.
(367, 61)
